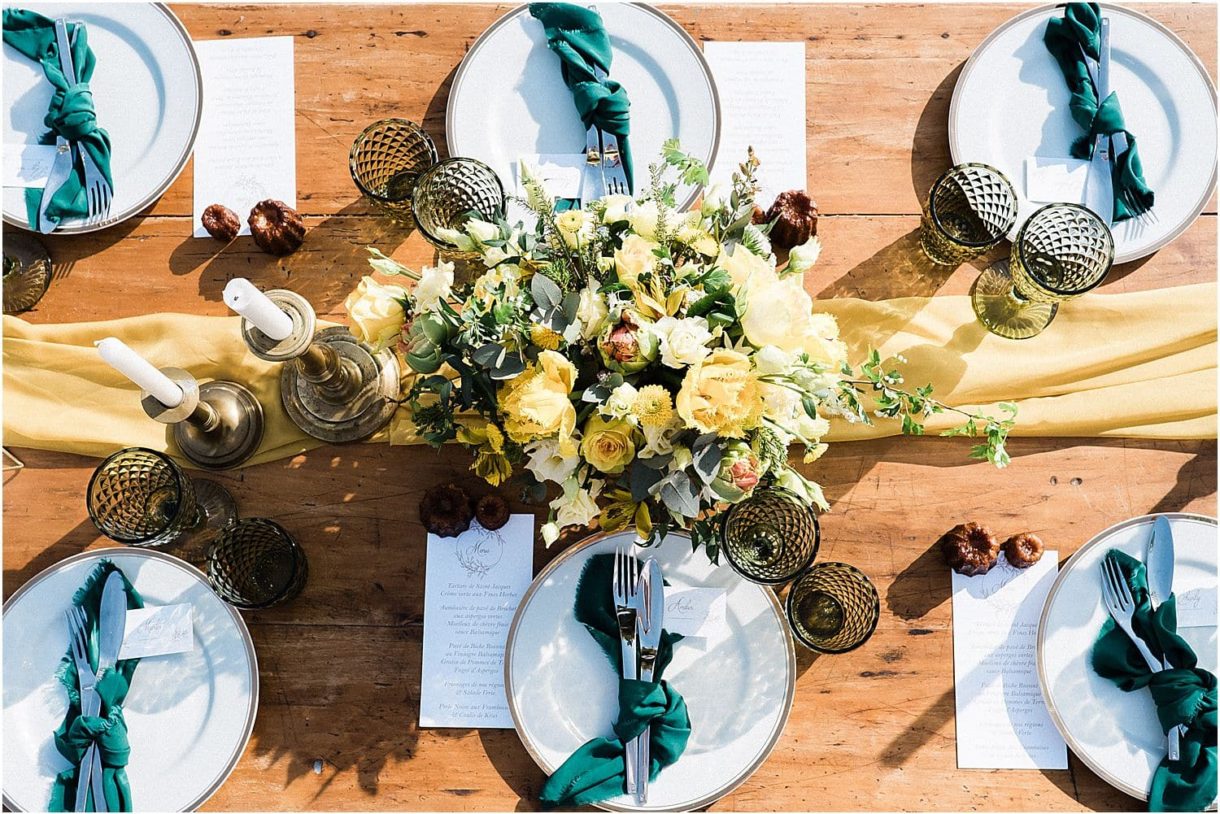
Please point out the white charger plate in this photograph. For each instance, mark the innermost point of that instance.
(148, 91)
(189, 715)
(738, 685)
(1011, 103)
(508, 99)
(1115, 733)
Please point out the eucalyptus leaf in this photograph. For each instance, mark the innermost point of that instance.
(546, 293)
(643, 479)
(679, 494)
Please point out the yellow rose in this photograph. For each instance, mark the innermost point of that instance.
(375, 312)
(634, 259)
(721, 394)
(781, 314)
(607, 445)
(536, 404)
(743, 265)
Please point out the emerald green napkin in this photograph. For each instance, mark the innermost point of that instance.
(71, 113)
(109, 729)
(1081, 26)
(595, 771)
(1185, 694)
(577, 35)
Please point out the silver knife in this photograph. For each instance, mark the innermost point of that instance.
(651, 622)
(1099, 190)
(112, 619)
(1158, 563)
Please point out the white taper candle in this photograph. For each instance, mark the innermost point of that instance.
(241, 295)
(135, 367)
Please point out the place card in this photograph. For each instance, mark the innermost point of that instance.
(158, 631)
(762, 102)
(1055, 180)
(560, 173)
(28, 165)
(694, 612)
(473, 585)
(246, 148)
(1002, 721)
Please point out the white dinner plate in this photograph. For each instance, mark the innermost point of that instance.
(738, 684)
(1011, 103)
(189, 715)
(1115, 733)
(148, 92)
(498, 113)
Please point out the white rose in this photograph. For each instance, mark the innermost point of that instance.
(575, 227)
(550, 533)
(616, 208)
(743, 265)
(460, 240)
(435, 283)
(643, 219)
(715, 198)
(683, 341)
(591, 312)
(634, 259)
(548, 463)
(769, 360)
(802, 257)
(576, 506)
(620, 401)
(481, 230)
(659, 440)
(375, 312)
(781, 314)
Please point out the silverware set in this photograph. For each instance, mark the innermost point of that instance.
(98, 192)
(639, 604)
(111, 622)
(604, 173)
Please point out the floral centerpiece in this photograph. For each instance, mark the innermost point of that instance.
(654, 365)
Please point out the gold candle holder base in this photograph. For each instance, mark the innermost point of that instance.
(218, 425)
(333, 386)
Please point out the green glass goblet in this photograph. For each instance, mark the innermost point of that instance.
(451, 193)
(833, 608)
(386, 160)
(771, 536)
(969, 210)
(256, 564)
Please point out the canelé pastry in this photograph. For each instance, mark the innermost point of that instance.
(969, 549)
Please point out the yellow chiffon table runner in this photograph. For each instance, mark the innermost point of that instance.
(1135, 365)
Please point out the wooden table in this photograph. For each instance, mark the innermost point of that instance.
(337, 728)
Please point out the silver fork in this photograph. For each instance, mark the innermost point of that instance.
(612, 161)
(89, 773)
(1121, 605)
(626, 598)
(97, 190)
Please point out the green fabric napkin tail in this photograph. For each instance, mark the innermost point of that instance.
(577, 36)
(109, 729)
(1080, 27)
(71, 113)
(1185, 694)
(595, 771)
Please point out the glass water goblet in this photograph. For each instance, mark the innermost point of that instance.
(771, 536)
(969, 210)
(386, 160)
(27, 271)
(256, 564)
(833, 608)
(140, 497)
(1061, 252)
(451, 193)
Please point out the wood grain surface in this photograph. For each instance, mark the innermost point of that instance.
(340, 667)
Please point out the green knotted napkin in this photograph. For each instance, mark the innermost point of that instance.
(577, 36)
(1064, 37)
(1185, 694)
(595, 771)
(109, 729)
(71, 113)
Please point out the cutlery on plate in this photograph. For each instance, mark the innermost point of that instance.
(1099, 189)
(626, 601)
(653, 591)
(90, 704)
(112, 618)
(97, 190)
(1158, 562)
(61, 169)
(612, 160)
(592, 180)
(1118, 142)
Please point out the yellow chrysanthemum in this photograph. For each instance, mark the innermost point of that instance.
(545, 338)
(653, 406)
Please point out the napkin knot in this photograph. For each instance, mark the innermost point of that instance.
(655, 707)
(604, 104)
(72, 114)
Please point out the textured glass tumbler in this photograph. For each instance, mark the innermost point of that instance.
(140, 497)
(969, 210)
(27, 272)
(833, 608)
(386, 160)
(255, 563)
(770, 537)
(1061, 252)
(451, 193)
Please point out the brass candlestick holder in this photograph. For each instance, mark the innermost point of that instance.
(218, 425)
(334, 387)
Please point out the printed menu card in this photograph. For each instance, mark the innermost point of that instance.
(1002, 721)
(473, 585)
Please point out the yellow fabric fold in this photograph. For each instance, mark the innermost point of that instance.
(1139, 365)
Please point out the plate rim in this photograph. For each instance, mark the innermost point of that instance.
(724, 791)
(1097, 539)
(80, 228)
(972, 61)
(243, 630)
(692, 45)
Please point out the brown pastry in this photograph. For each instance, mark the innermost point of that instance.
(445, 510)
(276, 227)
(758, 217)
(221, 222)
(1022, 550)
(491, 511)
(796, 219)
(969, 549)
